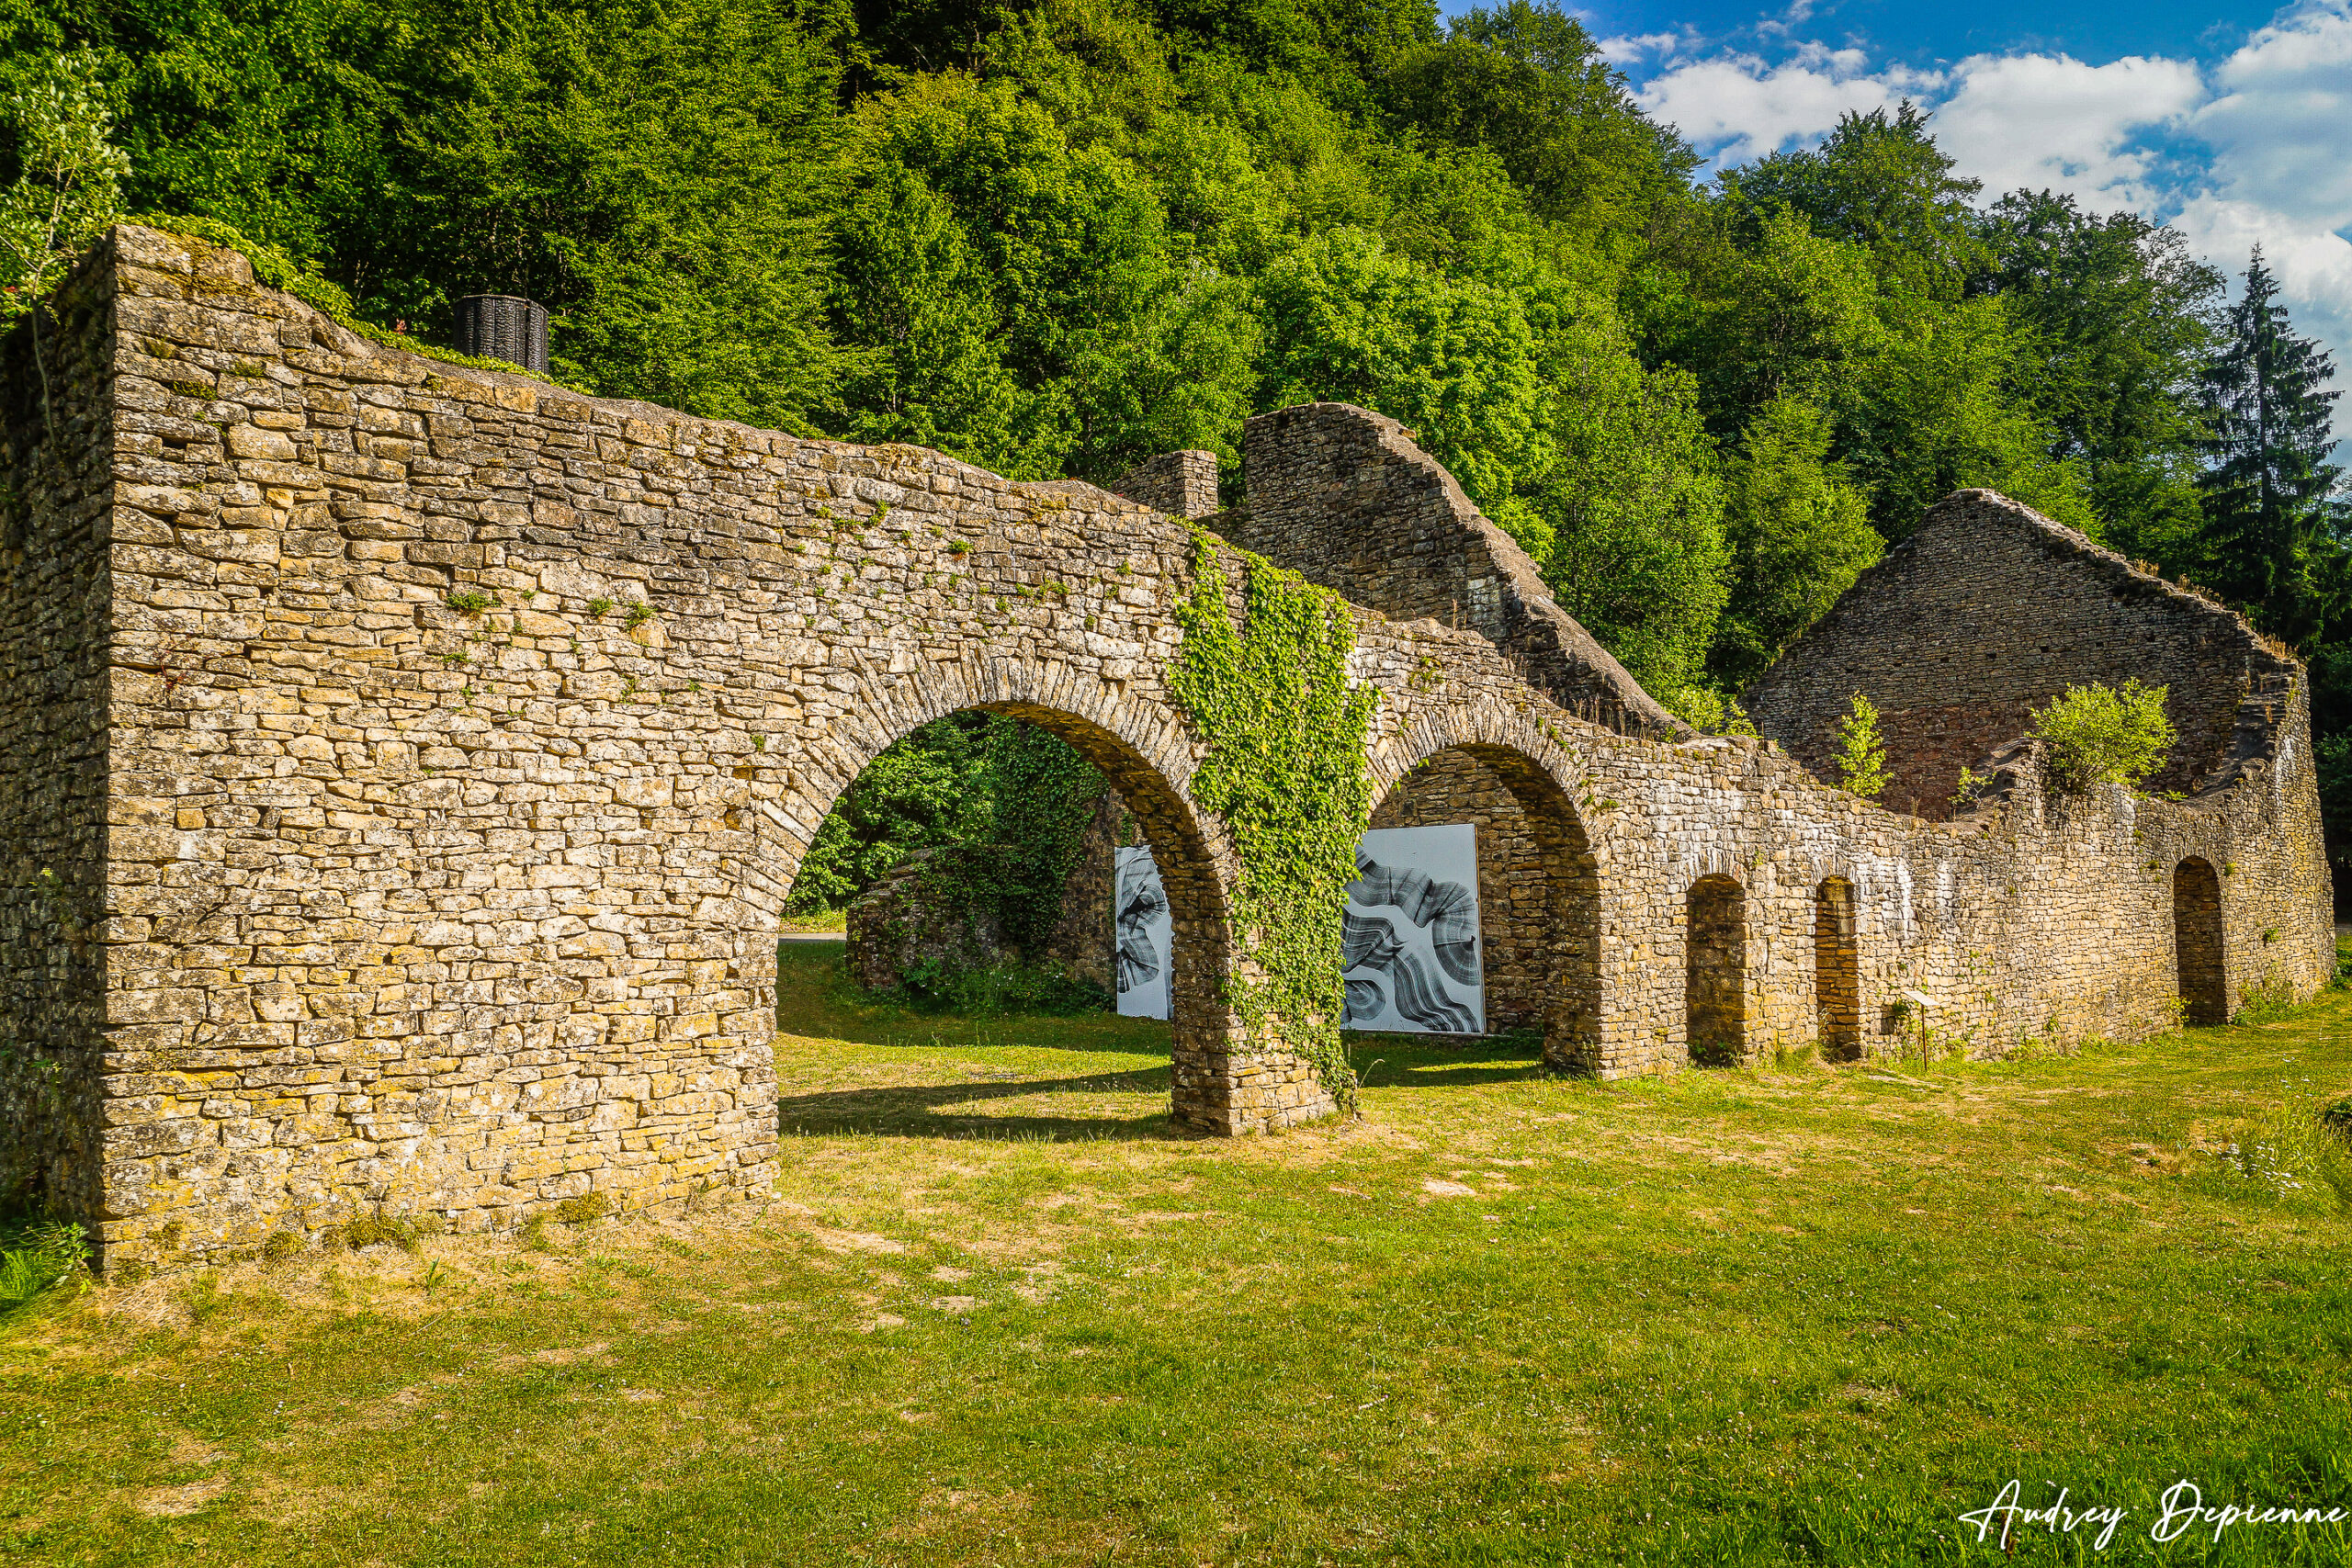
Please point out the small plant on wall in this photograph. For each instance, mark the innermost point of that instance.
(2097, 734)
(1861, 752)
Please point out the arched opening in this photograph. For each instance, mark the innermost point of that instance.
(2196, 942)
(1539, 891)
(1716, 974)
(1836, 979)
(1045, 903)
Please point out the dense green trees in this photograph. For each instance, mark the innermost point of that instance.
(2272, 531)
(1055, 236)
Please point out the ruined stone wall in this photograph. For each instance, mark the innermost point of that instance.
(1182, 484)
(1342, 495)
(440, 875)
(1988, 611)
(909, 920)
(469, 903)
(56, 455)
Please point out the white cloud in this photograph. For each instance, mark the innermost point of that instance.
(1636, 47)
(2282, 133)
(2281, 171)
(1736, 107)
(2050, 122)
(2254, 148)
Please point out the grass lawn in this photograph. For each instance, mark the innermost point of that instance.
(998, 1312)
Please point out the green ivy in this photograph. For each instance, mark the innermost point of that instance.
(1285, 769)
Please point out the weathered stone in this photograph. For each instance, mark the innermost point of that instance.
(369, 853)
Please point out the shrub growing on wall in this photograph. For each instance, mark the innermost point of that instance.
(2098, 734)
(1861, 754)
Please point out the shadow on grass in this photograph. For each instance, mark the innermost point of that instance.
(1414, 1061)
(816, 1000)
(920, 1111)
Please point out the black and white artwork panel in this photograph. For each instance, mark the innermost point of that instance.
(1142, 934)
(1410, 932)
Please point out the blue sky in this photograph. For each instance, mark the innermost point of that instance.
(2232, 122)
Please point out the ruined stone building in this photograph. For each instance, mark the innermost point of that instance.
(406, 765)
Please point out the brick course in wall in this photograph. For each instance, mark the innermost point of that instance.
(398, 901)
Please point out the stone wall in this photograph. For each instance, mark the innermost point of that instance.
(1986, 613)
(1343, 496)
(442, 877)
(57, 448)
(1182, 484)
(1081, 939)
(912, 918)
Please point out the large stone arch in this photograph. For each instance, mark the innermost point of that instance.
(1518, 779)
(1137, 744)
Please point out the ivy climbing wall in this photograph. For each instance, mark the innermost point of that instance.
(461, 736)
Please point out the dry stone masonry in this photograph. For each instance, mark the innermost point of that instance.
(407, 766)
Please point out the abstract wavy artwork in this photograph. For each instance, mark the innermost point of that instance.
(1143, 935)
(1410, 935)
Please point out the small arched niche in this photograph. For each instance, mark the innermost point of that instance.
(1715, 972)
(1837, 971)
(2196, 942)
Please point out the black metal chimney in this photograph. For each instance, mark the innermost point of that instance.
(503, 326)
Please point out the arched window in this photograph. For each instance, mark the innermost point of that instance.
(1716, 950)
(2197, 941)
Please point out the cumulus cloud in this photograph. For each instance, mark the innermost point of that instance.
(2281, 176)
(2254, 148)
(1637, 47)
(2050, 122)
(1737, 107)
(2281, 129)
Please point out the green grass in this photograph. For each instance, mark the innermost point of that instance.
(999, 1310)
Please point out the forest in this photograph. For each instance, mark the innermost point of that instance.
(1057, 237)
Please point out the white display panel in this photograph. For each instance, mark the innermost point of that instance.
(1143, 935)
(1411, 933)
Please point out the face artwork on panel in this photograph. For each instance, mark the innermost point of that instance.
(1143, 936)
(1410, 932)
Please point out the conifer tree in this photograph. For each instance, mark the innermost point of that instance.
(2272, 519)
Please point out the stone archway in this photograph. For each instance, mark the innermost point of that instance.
(1836, 971)
(1218, 1083)
(1539, 880)
(1715, 972)
(2196, 942)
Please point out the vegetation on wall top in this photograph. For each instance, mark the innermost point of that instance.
(2098, 734)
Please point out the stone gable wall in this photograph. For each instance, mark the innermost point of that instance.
(1342, 495)
(1988, 612)
(471, 909)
